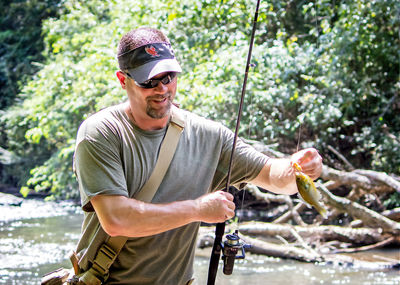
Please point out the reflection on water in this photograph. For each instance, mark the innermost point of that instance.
(30, 247)
(266, 270)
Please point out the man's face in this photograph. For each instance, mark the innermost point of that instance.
(155, 102)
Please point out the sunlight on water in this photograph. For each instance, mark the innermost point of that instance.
(34, 209)
(266, 270)
(35, 238)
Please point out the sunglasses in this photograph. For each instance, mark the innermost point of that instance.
(152, 83)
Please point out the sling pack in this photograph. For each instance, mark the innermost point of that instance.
(109, 250)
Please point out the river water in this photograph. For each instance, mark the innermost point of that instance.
(37, 237)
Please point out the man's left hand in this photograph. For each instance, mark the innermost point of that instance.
(310, 161)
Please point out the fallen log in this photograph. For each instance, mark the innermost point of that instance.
(380, 176)
(267, 197)
(360, 199)
(289, 214)
(282, 251)
(290, 251)
(393, 214)
(370, 218)
(361, 236)
(355, 179)
(367, 247)
(300, 254)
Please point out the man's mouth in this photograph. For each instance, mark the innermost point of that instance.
(158, 105)
(159, 99)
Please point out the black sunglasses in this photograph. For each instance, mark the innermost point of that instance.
(152, 83)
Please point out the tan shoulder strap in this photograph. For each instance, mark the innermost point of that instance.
(109, 250)
(167, 151)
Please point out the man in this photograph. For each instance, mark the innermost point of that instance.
(116, 152)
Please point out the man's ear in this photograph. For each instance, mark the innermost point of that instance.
(122, 78)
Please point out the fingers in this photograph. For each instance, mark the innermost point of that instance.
(229, 204)
(310, 161)
(227, 195)
(216, 207)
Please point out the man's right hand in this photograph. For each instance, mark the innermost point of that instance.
(123, 216)
(216, 207)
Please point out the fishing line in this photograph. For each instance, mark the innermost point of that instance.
(298, 138)
(314, 65)
(234, 242)
(250, 103)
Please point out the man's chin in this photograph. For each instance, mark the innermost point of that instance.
(159, 113)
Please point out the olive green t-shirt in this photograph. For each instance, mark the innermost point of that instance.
(115, 157)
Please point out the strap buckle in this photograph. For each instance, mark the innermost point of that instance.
(105, 257)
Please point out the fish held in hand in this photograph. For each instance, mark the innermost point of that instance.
(308, 191)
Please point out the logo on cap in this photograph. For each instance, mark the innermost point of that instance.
(151, 50)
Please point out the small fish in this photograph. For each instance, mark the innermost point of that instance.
(308, 191)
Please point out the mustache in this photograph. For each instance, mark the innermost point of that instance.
(160, 97)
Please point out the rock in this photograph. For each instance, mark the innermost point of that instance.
(10, 200)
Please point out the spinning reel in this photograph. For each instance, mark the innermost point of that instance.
(230, 248)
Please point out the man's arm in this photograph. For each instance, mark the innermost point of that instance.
(278, 175)
(122, 216)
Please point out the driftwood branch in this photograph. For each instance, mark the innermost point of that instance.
(380, 176)
(322, 233)
(341, 157)
(283, 251)
(369, 217)
(288, 215)
(355, 179)
(380, 244)
(293, 212)
(393, 214)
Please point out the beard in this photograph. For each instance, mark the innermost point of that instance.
(159, 113)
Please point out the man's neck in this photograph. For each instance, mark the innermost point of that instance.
(146, 122)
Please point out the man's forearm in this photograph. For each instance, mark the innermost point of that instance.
(277, 176)
(122, 216)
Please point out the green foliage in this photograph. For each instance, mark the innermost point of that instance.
(363, 48)
(21, 42)
(21, 46)
(325, 71)
(393, 201)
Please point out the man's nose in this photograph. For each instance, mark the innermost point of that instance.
(161, 88)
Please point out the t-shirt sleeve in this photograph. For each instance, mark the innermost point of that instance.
(247, 162)
(97, 164)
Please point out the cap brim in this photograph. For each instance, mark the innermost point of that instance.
(151, 69)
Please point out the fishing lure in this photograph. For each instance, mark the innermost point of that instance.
(308, 191)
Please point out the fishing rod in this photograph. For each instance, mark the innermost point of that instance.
(232, 245)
